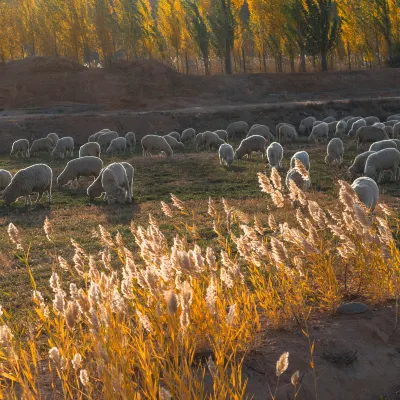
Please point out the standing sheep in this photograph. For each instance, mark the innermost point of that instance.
(358, 166)
(329, 119)
(370, 134)
(226, 154)
(188, 135)
(320, 131)
(350, 123)
(90, 149)
(95, 136)
(295, 176)
(278, 127)
(371, 120)
(199, 141)
(154, 143)
(383, 144)
(117, 145)
(5, 179)
(39, 145)
(306, 125)
(34, 179)
(175, 145)
(287, 133)
(84, 166)
(251, 144)
(335, 150)
(130, 138)
(261, 130)
(303, 157)
(211, 139)
(367, 191)
(341, 129)
(222, 134)
(115, 183)
(395, 117)
(239, 128)
(64, 147)
(104, 140)
(275, 154)
(54, 138)
(20, 146)
(383, 160)
(356, 126)
(175, 135)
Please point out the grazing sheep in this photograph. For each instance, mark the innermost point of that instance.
(90, 149)
(350, 123)
(211, 139)
(34, 179)
(188, 135)
(287, 133)
(332, 128)
(396, 130)
(261, 130)
(335, 150)
(383, 160)
(371, 120)
(5, 179)
(341, 128)
(316, 123)
(239, 128)
(358, 166)
(391, 123)
(199, 141)
(117, 145)
(104, 140)
(330, 119)
(389, 130)
(54, 138)
(306, 125)
(222, 134)
(348, 118)
(356, 126)
(397, 141)
(303, 157)
(39, 145)
(320, 131)
(84, 166)
(383, 144)
(96, 188)
(95, 136)
(393, 118)
(251, 144)
(379, 125)
(278, 127)
(175, 135)
(64, 146)
(275, 154)
(367, 191)
(370, 134)
(175, 145)
(115, 183)
(130, 138)
(295, 176)
(154, 143)
(226, 154)
(20, 146)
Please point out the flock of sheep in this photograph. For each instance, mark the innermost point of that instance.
(115, 180)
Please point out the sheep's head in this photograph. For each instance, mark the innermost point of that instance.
(180, 146)
(302, 128)
(8, 195)
(330, 159)
(120, 195)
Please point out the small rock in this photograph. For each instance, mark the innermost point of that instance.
(352, 308)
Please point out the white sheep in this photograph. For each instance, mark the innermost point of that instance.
(370, 134)
(332, 128)
(356, 126)
(383, 144)
(155, 143)
(188, 135)
(287, 133)
(64, 147)
(130, 138)
(295, 176)
(389, 131)
(341, 129)
(379, 125)
(383, 160)
(84, 166)
(371, 120)
(350, 123)
(199, 141)
(90, 149)
(175, 135)
(39, 145)
(335, 150)
(275, 154)
(306, 125)
(115, 183)
(319, 132)
(397, 141)
(222, 134)
(96, 188)
(303, 157)
(34, 179)
(20, 146)
(396, 131)
(395, 117)
(175, 145)
(95, 136)
(239, 128)
(211, 139)
(367, 191)
(329, 119)
(226, 154)
(54, 138)
(251, 144)
(117, 145)
(261, 130)
(105, 139)
(5, 179)
(316, 123)
(278, 127)
(358, 166)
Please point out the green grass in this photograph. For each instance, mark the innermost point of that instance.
(193, 177)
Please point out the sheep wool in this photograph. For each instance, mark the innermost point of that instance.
(251, 144)
(383, 160)
(367, 191)
(226, 154)
(117, 146)
(20, 146)
(90, 149)
(84, 166)
(155, 144)
(275, 154)
(5, 179)
(303, 156)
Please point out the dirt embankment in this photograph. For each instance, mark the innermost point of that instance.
(45, 82)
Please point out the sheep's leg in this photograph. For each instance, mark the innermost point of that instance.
(49, 196)
(39, 197)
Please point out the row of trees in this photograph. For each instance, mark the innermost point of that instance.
(206, 35)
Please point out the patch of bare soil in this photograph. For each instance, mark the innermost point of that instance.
(144, 84)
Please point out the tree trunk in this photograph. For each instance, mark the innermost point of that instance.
(324, 62)
(244, 60)
(291, 57)
(265, 61)
(349, 55)
(303, 60)
(187, 62)
(206, 65)
(228, 58)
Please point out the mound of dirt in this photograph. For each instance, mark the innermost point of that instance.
(148, 84)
